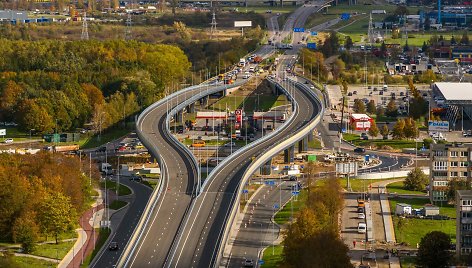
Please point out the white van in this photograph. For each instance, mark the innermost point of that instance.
(361, 228)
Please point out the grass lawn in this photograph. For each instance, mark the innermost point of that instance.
(17, 135)
(263, 9)
(250, 103)
(117, 204)
(350, 137)
(111, 185)
(414, 229)
(398, 187)
(27, 262)
(102, 237)
(54, 251)
(251, 190)
(151, 183)
(316, 144)
(284, 215)
(272, 260)
(395, 144)
(107, 136)
(358, 185)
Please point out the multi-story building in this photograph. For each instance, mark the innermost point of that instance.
(463, 222)
(448, 162)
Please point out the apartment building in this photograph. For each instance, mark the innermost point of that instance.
(448, 162)
(463, 222)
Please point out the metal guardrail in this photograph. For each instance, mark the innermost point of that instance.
(261, 160)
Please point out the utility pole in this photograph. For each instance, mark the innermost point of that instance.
(213, 25)
(128, 27)
(85, 35)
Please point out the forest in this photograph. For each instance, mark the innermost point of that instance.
(42, 195)
(49, 85)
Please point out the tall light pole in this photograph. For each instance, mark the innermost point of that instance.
(30, 136)
(118, 178)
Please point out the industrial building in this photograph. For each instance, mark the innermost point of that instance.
(456, 98)
(448, 162)
(463, 222)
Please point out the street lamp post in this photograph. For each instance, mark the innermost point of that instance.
(30, 136)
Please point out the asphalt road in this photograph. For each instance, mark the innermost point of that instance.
(202, 234)
(128, 223)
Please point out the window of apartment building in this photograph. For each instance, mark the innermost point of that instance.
(467, 227)
(464, 164)
(440, 153)
(467, 203)
(454, 164)
(467, 240)
(467, 214)
(464, 153)
(454, 154)
(466, 251)
(440, 183)
(464, 174)
(454, 174)
(440, 165)
(440, 173)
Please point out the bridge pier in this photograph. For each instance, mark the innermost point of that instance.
(266, 169)
(204, 101)
(303, 145)
(289, 155)
(191, 108)
(179, 116)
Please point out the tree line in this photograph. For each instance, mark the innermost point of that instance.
(42, 195)
(49, 85)
(312, 239)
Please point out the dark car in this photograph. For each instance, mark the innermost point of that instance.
(292, 178)
(360, 210)
(135, 177)
(101, 149)
(381, 93)
(359, 150)
(113, 246)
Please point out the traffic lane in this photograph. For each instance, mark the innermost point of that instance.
(127, 224)
(256, 230)
(235, 173)
(350, 221)
(175, 200)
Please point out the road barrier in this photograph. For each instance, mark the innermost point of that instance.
(263, 158)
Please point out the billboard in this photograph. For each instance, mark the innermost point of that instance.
(243, 23)
(3, 132)
(441, 126)
(362, 124)
(347, 168)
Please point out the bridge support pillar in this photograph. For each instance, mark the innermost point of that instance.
(303, 145)
(204, 101)
(191, 108)
(179, 117)
(289, 154)
(266, 169)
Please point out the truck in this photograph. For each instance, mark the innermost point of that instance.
(242, 62)
(106, 169)
(257, 59)
(62, 148)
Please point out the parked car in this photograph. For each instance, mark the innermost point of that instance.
(359, 150)
(361, 228)
(8, 141)
(364, 136)
(113, 246)
(360, 210)
(360, 216)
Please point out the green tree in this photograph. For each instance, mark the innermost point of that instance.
(411, 129)
(384, 131)
(456, 184)
(345, 87)
(373, 130)
(56, 214)
(416, 180)
(398, 130)
(371, 108)
(359, 106)
(26, 232)
(380, 111)
(348, 44)
(392, 109)
(434, 250)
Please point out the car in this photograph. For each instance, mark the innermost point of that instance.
(375, 89)
(230, 144)
(354, 92)
(292, 178)
(361, 228)
(113, 246)
(364, 136)
(467, 133)
(349, 94)
(360, 210)
(312, 87)
(381, 93)
(120, 148)
(359, 150)
(360, 215)
(101, 149)
(8, 141)
(248, 263)
(135, 177)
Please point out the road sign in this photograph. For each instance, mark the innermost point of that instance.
(343, 130)
(3, 132)
(245, 191)
(295, 192)
(314, 33)
(261, 262)
(276, 205)
(311, 45)
(345, 16)
(299, 30)
(271, 183)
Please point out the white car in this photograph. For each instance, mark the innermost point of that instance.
(229, 144)
(362, 228)
(360, 215)
(8, 141)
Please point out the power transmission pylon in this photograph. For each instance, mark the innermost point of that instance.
(213, 25)
(128, 27)
(85, 35)
(370, 33)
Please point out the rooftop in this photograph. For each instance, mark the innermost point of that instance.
(360, 116)
(455, 91)
(464, 194)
